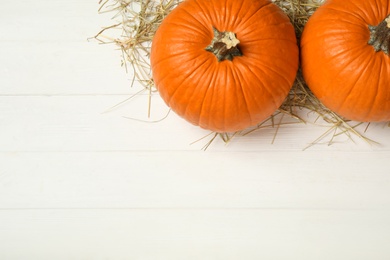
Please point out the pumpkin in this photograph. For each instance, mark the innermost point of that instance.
(224, 65)
(345, 58)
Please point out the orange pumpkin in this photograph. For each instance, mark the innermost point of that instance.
(345, 58)
(224, 65)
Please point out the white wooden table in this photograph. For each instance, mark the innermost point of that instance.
(78, 180)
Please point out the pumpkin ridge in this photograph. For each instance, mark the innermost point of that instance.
(261, 83)
(186, 27)
(339, 21)
(349, 14)
(276, 72)
(255, 55)
(167, 76)
(238, 74)
(342, 35)
(260, 9)
(286, 37)
(345, 52)
(360, 9)
(161, 79)
(205, 11)
(204, 111)
(353, 86)
(255, 15)
(222, 122)
(183, 83)
(376, 9)
(197, 86)
(225, 107)
(193, 18)
(175, 55)
(210, 80)
(370, 111)
(270, 39)
(237, 21)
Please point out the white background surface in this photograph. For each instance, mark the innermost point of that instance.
(80, 181)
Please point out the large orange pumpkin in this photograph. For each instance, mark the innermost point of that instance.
(224, 65)
(345, 58)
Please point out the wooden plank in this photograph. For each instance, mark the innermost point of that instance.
(51, 21)
(194, 234)
(45, 49)
(56, 68)
(195, 179)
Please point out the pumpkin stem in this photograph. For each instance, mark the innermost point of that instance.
(224, 45)
(380, 36)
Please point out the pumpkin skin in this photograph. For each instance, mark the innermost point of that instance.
(228, 95)
(342, 70)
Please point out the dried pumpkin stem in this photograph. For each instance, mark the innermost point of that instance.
(224, 45)
(380, 36)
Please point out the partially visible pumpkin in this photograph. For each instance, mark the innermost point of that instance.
(345, 58)
(225, 65)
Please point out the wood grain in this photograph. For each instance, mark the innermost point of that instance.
(194, 234)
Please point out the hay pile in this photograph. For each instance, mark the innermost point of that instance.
(138, 21)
